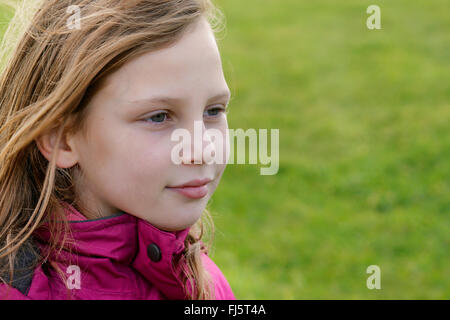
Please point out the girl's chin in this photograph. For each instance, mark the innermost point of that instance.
(182, 222)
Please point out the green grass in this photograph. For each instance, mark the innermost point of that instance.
(364, 150)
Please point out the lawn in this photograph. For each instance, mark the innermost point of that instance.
(364, 150)
(364, 173)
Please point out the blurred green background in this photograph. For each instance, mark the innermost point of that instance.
(364, 150)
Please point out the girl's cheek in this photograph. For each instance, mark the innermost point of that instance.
(225, 145)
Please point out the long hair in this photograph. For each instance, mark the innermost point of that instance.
(48, 75)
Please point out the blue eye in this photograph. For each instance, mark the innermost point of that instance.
(162, 117)
(158, 118)
(215, 112)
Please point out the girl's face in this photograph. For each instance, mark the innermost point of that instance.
(125, 152)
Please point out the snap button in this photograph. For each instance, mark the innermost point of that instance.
(153, 252)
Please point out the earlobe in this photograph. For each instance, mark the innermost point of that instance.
(66, 156)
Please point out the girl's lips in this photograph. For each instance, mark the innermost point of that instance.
(192, 192)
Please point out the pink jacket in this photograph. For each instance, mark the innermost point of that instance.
(118, 257)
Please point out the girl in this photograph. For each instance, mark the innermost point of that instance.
(91, 204)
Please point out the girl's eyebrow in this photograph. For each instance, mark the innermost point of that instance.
(174, 100)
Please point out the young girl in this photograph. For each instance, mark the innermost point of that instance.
(92, 206)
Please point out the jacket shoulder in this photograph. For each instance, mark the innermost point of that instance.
(10, 293)
(222, 287)
(24, 267)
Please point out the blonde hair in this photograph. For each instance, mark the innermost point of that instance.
(49, 74)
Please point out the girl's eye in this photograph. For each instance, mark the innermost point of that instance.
(162, 117)
(214, 112)
(158, 118)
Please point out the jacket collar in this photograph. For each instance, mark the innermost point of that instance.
(122, 238)
(114, 237)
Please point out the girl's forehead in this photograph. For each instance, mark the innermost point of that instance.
(196, 51)
(191, 64)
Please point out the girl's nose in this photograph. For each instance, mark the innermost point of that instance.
(202, 146)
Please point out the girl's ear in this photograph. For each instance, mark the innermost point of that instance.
(66, 154)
